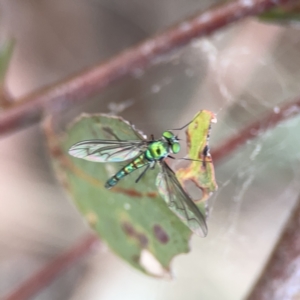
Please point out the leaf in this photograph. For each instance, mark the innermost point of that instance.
(6, 50)
(202, 173)
(131, 218)
(288, 13)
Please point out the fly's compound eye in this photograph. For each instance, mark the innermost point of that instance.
(175, 147)
(168, 135)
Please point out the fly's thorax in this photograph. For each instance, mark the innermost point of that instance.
(172, 141)
(157, 150)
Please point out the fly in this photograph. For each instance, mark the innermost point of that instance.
(147, 154)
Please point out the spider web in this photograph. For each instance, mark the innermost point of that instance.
(239, 79)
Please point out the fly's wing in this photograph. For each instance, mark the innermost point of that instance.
(179, 201)
(107, 150)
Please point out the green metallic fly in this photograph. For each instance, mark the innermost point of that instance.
(146, 153)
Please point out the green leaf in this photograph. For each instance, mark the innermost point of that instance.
(202, 173)
(287, 13)
(131, 218)
(6, 51)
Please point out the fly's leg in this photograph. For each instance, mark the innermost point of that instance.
(170, 156)
(151, 165)
(142, 174)
(187, 123)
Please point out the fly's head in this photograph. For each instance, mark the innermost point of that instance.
(172, 140)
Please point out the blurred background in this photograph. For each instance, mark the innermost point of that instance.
(239, 73)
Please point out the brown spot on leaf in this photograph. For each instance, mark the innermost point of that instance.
(151, 194)
(128, 229)
(128, 192)
(188, 139)
(195, 124)
(138, 236)
(133, 192)
(160, 234)
(143, 240)
(136, 258)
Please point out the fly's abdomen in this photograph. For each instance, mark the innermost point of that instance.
(132, 166)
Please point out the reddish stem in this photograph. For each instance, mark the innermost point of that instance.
(280, 278)
(62, 95)
(48, 273)
(270, 120)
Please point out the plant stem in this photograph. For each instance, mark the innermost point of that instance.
(62, 95)
(280, 277)
(286, 111)
(48, 273)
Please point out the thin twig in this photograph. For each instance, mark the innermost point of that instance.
(280, 114)
(48, 273)
(62, 95)
(281, 277)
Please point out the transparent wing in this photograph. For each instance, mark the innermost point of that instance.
(107, 150)
(179, 201)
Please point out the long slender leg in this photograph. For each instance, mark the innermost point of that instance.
(143, 173)
(189, 159)
(186, 124)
